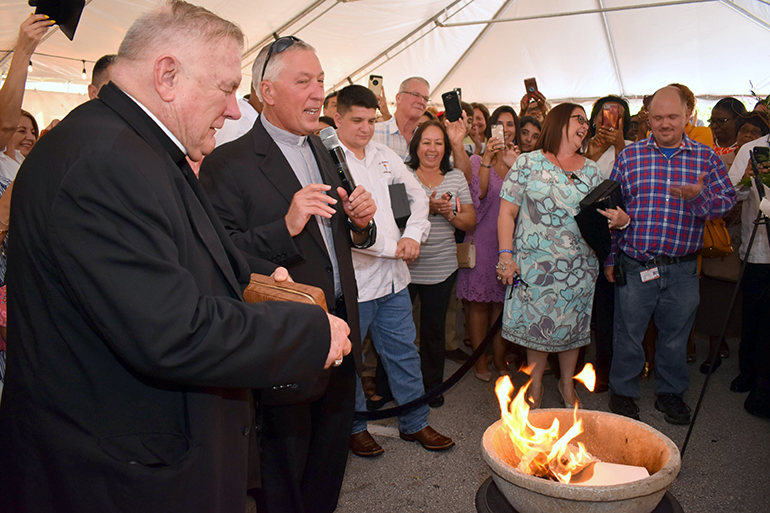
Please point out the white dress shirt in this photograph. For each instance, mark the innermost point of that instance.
(8, 166)
(235, 128)
(378, 271)
(760, 251)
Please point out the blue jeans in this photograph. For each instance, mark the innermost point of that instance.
(672, 300)
(389, 321)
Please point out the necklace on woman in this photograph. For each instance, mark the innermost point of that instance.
(571, 175)
(424, 179)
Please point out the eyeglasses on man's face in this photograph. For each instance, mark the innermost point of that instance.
(417, 95)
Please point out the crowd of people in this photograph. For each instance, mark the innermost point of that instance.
(136, 371)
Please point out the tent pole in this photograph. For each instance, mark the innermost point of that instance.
(575, 13)
(612, 50)
(472, 47)
(257, 47)
(744, 12)
(432, 20)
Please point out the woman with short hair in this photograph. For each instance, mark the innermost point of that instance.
(549, 269)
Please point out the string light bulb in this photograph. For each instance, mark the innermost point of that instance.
(29, 68)
(84, 75)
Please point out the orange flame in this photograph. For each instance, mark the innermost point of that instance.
(542, 452)
(587, 376)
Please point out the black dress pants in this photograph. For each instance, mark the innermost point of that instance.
(304, 448)
(434, 300)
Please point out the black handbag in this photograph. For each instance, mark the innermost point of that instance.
(593, 226)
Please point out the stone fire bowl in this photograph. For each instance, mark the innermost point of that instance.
(611, 438)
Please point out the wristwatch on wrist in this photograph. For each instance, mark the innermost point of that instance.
(356, 229)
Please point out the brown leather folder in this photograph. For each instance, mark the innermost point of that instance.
(265, 288)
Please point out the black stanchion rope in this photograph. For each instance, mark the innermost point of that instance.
(443, 387)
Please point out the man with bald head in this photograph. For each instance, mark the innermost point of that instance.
(671, 185)
(280, 197)
(133, 355)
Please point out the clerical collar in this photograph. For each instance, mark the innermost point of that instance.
(161, 125)
(282, 136)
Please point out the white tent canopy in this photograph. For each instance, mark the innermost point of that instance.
(577, 49)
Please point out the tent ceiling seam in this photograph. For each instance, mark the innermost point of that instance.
(612, 49)
(473, 45)
(737, 8)
(432, 20)
(577, 13)
(255, 48)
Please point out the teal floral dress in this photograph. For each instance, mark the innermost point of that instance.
(551, 309)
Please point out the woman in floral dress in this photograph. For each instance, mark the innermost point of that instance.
(549, 309)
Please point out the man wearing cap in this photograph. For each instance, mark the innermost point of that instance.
(132, 353)
(279, 196)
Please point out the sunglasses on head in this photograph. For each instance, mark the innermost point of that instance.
(279, 45)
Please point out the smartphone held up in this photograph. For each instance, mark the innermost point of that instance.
(610, 115)
(452, 106)
(375, 85)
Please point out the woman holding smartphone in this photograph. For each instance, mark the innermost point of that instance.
(435, 270)
(479, 286)
(549, 269)
(610, 122)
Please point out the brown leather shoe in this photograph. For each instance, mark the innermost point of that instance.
(362, 444)
(429, 438)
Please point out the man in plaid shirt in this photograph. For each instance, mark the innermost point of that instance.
(671, 185)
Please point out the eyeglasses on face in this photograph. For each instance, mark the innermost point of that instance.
(279, 45)
(581, 119)
(418, 95)
(718, 121)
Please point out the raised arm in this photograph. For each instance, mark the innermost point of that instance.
(12, 93)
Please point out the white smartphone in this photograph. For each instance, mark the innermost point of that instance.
(497, 131)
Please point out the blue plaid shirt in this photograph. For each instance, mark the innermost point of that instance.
(661, 223)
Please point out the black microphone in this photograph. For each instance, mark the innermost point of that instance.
(332, 143)
(575, 178)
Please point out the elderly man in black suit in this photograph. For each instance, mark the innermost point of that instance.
(131, 353)
(278, 194)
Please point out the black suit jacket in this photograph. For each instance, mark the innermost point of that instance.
(131, 352)
(251, 185)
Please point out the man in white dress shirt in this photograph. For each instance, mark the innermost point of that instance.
(385, 308)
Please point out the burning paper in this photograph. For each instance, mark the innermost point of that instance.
(541, 452)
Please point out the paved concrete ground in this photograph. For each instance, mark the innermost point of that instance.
(726, 466)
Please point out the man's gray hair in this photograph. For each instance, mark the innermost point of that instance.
(176, 22)
(275, 66)
(406, 82)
